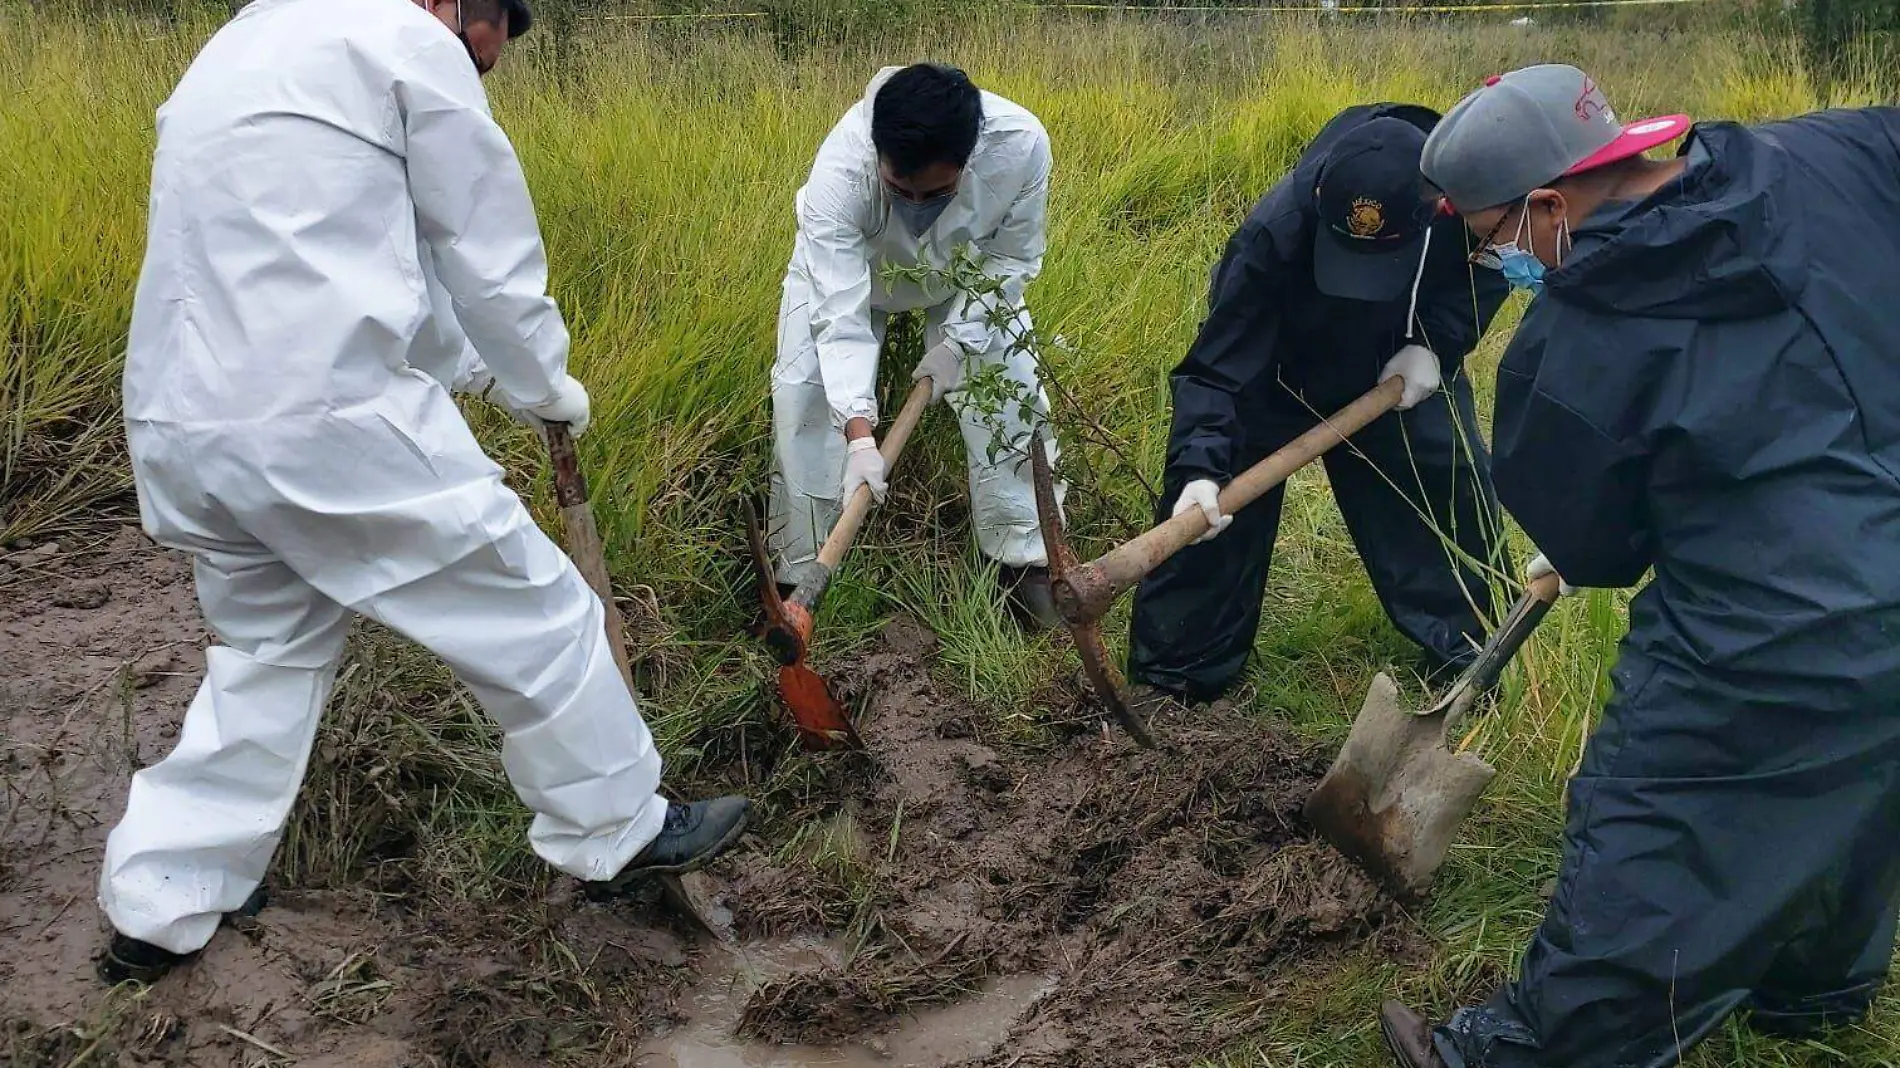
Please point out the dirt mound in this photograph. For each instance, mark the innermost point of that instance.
(1130, 905)
(1149, 882)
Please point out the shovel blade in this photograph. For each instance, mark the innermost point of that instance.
(1396, 794)
(821, 721)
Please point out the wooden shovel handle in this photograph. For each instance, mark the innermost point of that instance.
(845, 530)
(1531, 607)
(583, 538)
(1122, 567)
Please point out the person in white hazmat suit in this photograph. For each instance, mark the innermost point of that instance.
(339, 233)
(924, 163)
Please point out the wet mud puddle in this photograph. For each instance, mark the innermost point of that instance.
(927, 1038)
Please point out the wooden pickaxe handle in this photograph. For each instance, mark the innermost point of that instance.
(590, 557)
(1086, 592)
(583, 538)
(831, 554)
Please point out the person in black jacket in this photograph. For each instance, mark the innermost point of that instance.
(1344, 274)
(1705, 389)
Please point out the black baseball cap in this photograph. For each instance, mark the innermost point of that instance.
(1374, 212)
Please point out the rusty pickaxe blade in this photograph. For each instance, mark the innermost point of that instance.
(1397, 793)
(821, 720)
(1102, 674)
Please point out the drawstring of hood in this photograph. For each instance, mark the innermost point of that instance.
(1418, 279)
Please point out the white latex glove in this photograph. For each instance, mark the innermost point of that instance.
(1419, 367)
(1202, 493)
(863, 466)
(1539, 567)
(569, 406)
(943, 365)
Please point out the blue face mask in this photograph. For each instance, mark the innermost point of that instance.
(1521, 269)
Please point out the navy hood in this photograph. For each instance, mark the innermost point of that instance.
(1719, 242)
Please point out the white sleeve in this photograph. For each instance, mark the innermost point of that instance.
(1013, 253)
(443, 350)
(837, 257)
(474, 212)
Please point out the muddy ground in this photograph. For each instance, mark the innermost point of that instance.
(1133, 893)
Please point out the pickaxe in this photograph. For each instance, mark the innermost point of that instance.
(1084, 593)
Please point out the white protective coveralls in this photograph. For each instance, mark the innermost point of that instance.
(334, 219)
(835, 307)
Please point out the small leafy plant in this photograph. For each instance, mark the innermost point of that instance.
(1012, 410)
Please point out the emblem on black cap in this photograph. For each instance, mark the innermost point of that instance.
(1367, 217)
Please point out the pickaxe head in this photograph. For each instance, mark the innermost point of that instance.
(821, 720)
(1103, 677)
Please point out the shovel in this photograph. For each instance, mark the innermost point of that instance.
(584, 548)
(821, 720)
(1397, 792)
(1085, 592)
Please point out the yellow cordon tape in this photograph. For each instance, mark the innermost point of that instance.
(1351, 9)
(1368, 8)
(675, 18)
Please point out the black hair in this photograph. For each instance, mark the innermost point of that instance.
(520, 15)
(926, 113)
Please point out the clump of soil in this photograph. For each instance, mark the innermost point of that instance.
(827, 1006)
(1146, 881)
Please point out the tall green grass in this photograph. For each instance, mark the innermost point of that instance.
(663, 161)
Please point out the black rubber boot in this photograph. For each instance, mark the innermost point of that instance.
(127, 959)
(1026, 591)
(694, 833)
(1408, 1036)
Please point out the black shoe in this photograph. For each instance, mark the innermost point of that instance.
(694, 833)
(130, 960)
(1031, 601)
(1408, 1036)
(127, 959)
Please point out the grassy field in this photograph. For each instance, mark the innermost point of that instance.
(663, 161)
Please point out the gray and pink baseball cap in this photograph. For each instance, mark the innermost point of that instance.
(1523, 130)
